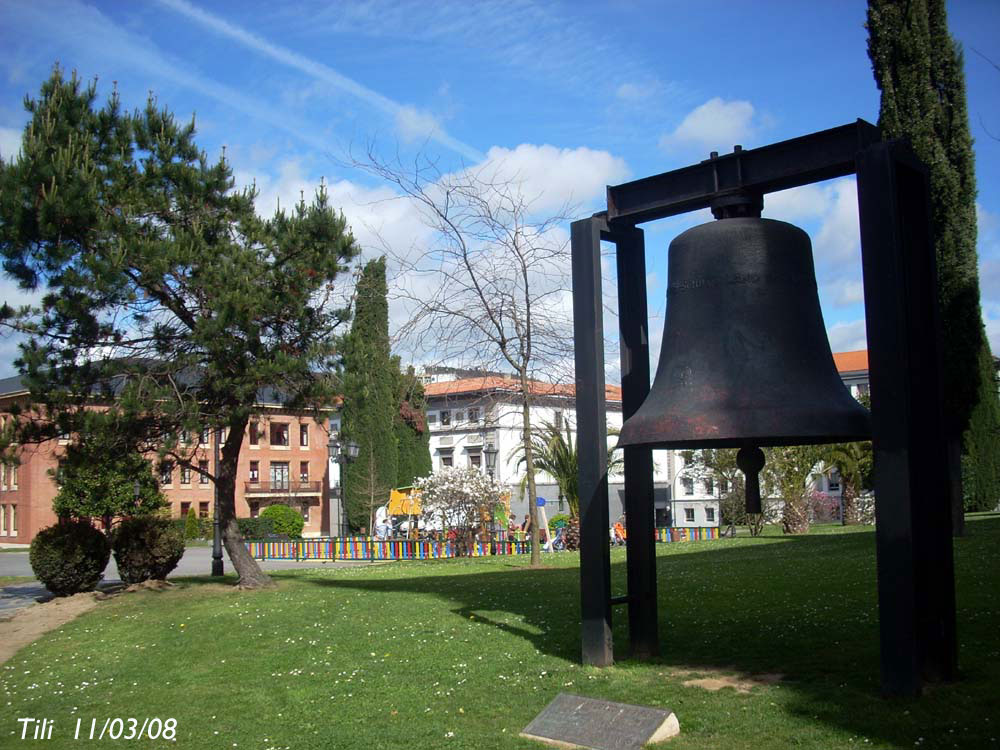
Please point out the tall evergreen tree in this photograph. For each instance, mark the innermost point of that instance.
(370, 404)
(918, 68)
(167, 298)
(413, 439)
(981, 462)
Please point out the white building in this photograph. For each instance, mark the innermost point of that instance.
(467, 411)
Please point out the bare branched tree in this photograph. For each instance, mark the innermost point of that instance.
(490, 286)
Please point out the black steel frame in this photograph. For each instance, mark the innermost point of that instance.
(916, 589)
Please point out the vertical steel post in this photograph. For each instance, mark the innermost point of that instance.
(588, 335)
(218, 567)
(913, 532)
(633, 326)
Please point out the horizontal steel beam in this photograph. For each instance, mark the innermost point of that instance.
(779, 166)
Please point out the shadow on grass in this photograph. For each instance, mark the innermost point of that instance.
(804, 607)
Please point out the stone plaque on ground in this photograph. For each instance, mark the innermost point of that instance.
(575, 721)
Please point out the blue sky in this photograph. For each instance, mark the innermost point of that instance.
(574, 95)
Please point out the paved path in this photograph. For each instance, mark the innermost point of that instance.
(197, 561)
(20, 595)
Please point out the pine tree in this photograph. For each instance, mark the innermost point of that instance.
(370, 404)
(166, 297)
(919, 69)
(412, 436)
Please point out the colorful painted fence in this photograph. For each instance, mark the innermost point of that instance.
(683, 534)
(367, 548)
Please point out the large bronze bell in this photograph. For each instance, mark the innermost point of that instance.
(745, 361)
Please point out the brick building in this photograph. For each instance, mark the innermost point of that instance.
(283, 460)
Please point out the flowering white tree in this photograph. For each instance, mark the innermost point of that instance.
(461, 497)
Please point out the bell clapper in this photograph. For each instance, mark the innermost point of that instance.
(751, 461)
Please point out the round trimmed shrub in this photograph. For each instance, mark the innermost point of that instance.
(287, 520)
(69, 557)
(146, 547)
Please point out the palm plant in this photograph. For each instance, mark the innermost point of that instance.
(554, 452)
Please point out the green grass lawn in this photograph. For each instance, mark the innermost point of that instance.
(464, 653)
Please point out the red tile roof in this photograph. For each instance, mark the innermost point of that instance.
(845, 361)
(851, 361)
(497, 383)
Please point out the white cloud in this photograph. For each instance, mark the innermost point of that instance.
(413, 124)
(636, 92)
(838, 242)
(849, 292)
(10, 143)
(798, 204)
(848, 336)
(715, 125)
(553, 177)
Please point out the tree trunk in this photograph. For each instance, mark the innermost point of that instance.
(529, 466)
(251, 576)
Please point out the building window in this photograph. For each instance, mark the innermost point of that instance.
(304, 435)
(475, 460)
(13, 477)
(203, 473)
(13, 520)
(3, 476)
(688, 484)
(446, 461)
(445, 418)
(710, 515)
(279, 434)
(689, 515)
(166, 473)
(185, 475)
(709, 486)
(185, 437)
(723, 486)
(474, 416)
(203, 510)
(185, 508)
(254, 433)
(3, 520)
(254, 472)
(279, 475)
(254, 509)
(432, 418)
(459, 416)
(557, 420)
(305, 512)
(834, 485)
(203, 438)
(303, 471)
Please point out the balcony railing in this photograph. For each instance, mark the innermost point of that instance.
(284, 487)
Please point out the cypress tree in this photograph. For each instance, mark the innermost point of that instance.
(412, 436)
(918, 68)
(370, 404)
(981, 463)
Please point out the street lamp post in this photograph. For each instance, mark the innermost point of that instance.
(343, 454)
(491, 460)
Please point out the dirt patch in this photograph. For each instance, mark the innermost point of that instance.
(30, 623)
(716, 679)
